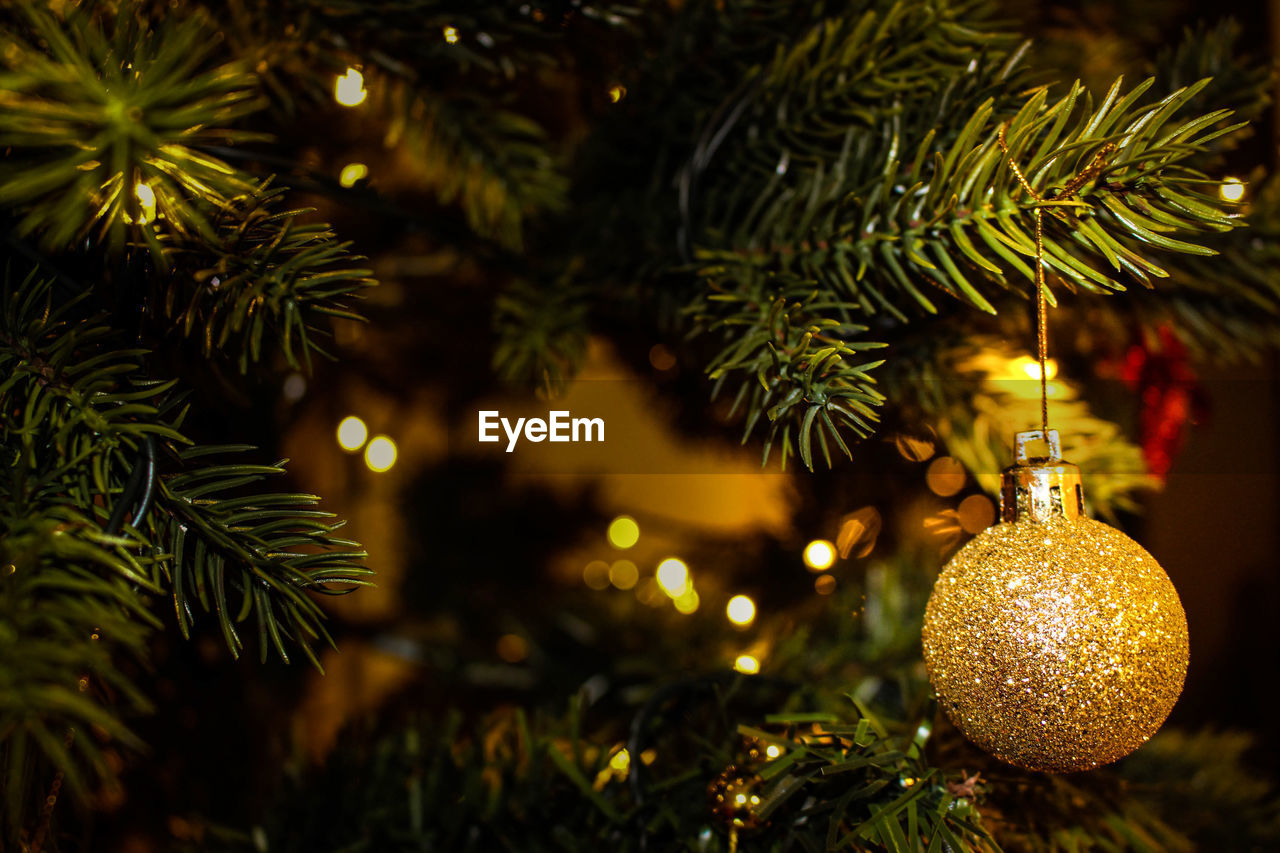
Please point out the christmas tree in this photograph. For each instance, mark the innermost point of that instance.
(779, 269)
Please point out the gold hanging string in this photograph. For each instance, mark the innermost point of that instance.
(1068, 190)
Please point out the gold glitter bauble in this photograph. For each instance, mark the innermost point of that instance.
(1053, 641)
(734, 797)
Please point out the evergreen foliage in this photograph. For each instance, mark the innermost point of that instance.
(815, 198)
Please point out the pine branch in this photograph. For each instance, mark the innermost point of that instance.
(1195, 779)
(297, 48)
(103, 117)
(792, 364)
(1225, 307)
(1238, 81)
(924, 221)
(852, 781)
(494, 162)
(447, 78)
(270, 550)
(68, 618)
(263, 278)
(76, 409)
(72, 594)
(542, 333)
(922, 224)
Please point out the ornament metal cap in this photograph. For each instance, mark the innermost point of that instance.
(1037, 488)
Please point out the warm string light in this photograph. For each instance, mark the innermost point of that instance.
(623, 532)
(352, 433)
(349, 90)
(146, 203)
(673, 576)
(1231, 189)
(380, 454)
(450, 34)
(687, 602)
(351, 174)
(976, 513)
(945, 476)
(820, 555)
(747, 664)
(623, 574)
(1030, 367)
(741, 610)
(596, 575)
(146, 197)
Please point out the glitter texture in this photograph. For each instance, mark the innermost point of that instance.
(1058, 645)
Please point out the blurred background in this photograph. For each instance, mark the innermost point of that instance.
(523, 578)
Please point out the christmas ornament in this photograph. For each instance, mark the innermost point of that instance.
(1053, 641)
(734, 797)
(1161, 376)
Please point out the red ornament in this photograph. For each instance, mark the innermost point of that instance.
(1162, 376)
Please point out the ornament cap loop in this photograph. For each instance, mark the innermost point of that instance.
(1039, 487)
(1023, 442)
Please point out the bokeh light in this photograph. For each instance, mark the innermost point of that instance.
(596, 574)
(773, 750)
(824, 584)
(673, 576)
(977, 513)
(914, 448)
(945, 476)
(621, 761)
(146, 203)
(747, 664)
(661, 358)
(380, 454)
(741, 610)
(649, 593)
(1231, 189)
(859, 531)
(1030, 367)
(351, 173)
(450, 34)
(819, 555)
(352, 433)
(513, 648)
(687, 602)
(349, 90)
(294, 387)
(617, 93)
(623, 532)
(623, 574)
